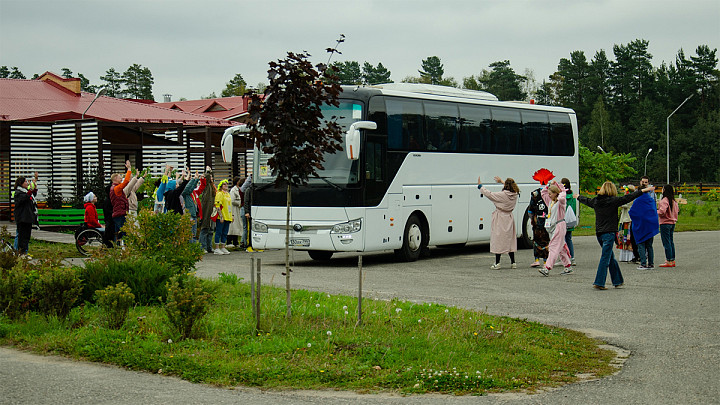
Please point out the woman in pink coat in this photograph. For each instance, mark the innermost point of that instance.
(555, 198)
(503, 238)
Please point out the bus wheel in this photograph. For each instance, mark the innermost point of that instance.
(414, 239)
(526, 240)
(320, 255)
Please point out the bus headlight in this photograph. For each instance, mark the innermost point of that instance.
(348, 227)
(259, 227)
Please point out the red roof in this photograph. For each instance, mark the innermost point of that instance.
(45, 100)
(224, 108)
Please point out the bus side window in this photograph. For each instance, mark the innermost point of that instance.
(536, 133)
(373, 162)
(507, 127)
(475, 129)
(561, 135)
(441, 125)
(404, 118)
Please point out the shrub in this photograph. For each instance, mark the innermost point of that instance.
(231, 278)
(692, 209)
(187, 302)
(115, 302)
(8, 257)
(165, 237)
(13, 295)
(56, 290)
(145, 276)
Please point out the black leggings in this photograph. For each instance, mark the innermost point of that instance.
(511, 254)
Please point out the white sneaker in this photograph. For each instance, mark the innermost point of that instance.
(495, 266)
(513, 266)
(224, 251)
(544, 271)
(218, 252)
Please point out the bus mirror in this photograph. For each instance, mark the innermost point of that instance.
(352, 140)
(226, 144)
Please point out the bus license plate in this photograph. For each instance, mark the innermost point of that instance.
(299, 242)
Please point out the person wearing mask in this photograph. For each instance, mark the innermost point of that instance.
(668, 214)
(503, 238)
(606, 222)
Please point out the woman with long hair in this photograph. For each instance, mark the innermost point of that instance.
(555, 197)
(207, 202)
(503, 238)
(25, 214)
(668, 214)
(606, 224)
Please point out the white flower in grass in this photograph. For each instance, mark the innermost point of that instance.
(345, 307)
(309, 344)
(346, 312)
(419, 320)
(329, 333)
(398, 310)
(169, 340)
(447, 310)
(317, 305)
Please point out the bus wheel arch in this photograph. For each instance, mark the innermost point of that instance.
(526, 240)
(416, 237)
(320, 255)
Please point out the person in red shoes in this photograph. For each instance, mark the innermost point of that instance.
(668, 213)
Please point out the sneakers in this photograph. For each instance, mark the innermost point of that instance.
(572, 262)
(536, 263)
(218, 252)
(599, 287)
(670, 263)
(513, 265)
(250, 249)
(495, 266)
(544, 271)
(568, 270)
(643, 267)
(224, 251)
(619, 285)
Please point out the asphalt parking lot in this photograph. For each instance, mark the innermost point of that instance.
(668, 319)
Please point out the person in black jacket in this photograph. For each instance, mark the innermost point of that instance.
(606, 206)
(25, 215)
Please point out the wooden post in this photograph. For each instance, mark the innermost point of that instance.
(252, 287)
(287, 255)
(360, 283)
(257, 295)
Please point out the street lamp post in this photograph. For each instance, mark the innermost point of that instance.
(646, 155)
(98, 94)
(603, 150)
(667, 162)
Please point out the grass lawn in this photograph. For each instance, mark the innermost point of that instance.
(401, 347)
(692, 217)
(40, 249)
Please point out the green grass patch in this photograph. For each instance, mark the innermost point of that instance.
(42, 249)
(692, 217)
(401, 346)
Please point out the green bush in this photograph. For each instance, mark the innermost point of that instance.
(13, 296)
(115, 302)
(8, 257)
(187, 302)
(165, 237)
(145, 276)
(57, 289)
(692, 209)
(231, 278)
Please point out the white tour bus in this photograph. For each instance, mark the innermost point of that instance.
(408, 177)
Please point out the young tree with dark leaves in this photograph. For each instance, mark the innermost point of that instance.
(288, 123)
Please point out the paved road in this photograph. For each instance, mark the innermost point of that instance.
(668, 319)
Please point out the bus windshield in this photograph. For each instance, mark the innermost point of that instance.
(338, 169)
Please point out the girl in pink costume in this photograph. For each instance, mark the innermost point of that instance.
(554, 197)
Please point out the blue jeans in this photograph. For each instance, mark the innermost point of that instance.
(119, 222)
(607, 260)
(193, 238)
(221, 231)
(568, 241)
(206, 236)
(647, 255)
(666, 235)
(243, 220)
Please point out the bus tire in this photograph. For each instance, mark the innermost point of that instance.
(415, 239)
(320, 255)
(526, 240)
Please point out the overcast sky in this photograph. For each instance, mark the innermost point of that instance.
(194, 47)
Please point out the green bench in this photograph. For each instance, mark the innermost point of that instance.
(63, 217)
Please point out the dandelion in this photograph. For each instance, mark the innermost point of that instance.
(447, 310)
(398, 310)
(419, 320)
(345, 307)
(329, 333)
(328, 295)
(491, 327)
(346, 312)
(317, 305)
(309, 344)
(322, 371)
(169, 340)
(475, 333)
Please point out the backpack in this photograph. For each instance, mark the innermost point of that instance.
(570, 218)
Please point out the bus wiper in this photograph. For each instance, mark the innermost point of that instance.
(335, 186)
